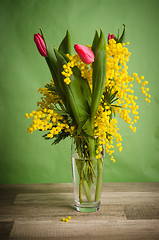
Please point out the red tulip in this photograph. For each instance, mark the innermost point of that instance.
(40, 44)
(85, 54)
(110, 37)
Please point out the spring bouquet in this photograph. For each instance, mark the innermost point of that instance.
(87, 90)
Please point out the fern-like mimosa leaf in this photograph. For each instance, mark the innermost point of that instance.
(112, 96)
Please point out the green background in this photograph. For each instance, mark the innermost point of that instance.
(28, 158)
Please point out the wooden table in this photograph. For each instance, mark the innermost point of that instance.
(129, 211)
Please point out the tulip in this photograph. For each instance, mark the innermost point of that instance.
(110, 37)
(85, 54)
(40, 44)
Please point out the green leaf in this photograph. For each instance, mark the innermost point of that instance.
(61, 112)
(53, 64)
(120, 40)
(81, 124)
(61, 136)
(118, 34)
(65, 45)
(99, 75)
(77, 97)
(95, 41)
(59, 82)
(113, 105)
(114, 100)
(77, 93)
(113, 96)
(64, 56)
(50, 59)
(87, 135)
(52, 89)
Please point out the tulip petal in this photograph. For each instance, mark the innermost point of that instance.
(40, 44)
(85, 54)
(110, 36)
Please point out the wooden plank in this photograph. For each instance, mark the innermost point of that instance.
(96, 229)
(67, 198)
(46, 212)
(46, 205)
(7, 196)
(129, 211)
(130, 187)
(5, 229)
(44, 198)
(129, 197)
(37, 188)
(142, 211)
(68, 187)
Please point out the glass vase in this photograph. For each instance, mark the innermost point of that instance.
(87, 170)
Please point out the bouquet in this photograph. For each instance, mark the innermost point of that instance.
(87, 90)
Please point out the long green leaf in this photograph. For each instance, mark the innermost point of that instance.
(54, 68)
(77, 93)
(65, 45)
(50, 59)
(121, 38)
(99, 75)
(62, 87)
(95, 41)
(82, 123)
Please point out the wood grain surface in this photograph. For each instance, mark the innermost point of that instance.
(129, 211)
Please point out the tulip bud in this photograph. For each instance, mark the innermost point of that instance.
(110, 37)
(40, 44)
(85, 54)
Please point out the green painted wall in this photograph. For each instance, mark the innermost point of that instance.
(29, 158)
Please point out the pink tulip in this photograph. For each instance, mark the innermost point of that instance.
(110, 37)
(85, 54)
(40, 44)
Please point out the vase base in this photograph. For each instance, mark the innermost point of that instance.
(87, 207)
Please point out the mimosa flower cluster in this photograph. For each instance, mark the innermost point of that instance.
(118, 85)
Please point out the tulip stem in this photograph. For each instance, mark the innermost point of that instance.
(99, 179)
(82, 183)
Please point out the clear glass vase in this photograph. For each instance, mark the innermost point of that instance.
(87, 170)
